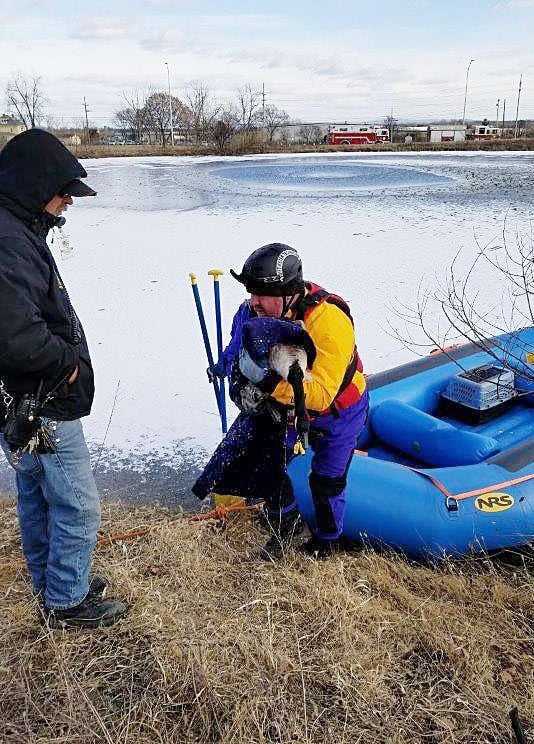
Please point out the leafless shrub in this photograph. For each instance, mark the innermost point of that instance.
(223, 128)
(491, 296)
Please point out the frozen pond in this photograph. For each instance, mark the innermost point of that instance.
(368, 226)
(319, 177)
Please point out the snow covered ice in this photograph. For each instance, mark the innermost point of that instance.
(368, 226)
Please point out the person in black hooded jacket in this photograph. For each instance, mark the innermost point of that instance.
(43, 352)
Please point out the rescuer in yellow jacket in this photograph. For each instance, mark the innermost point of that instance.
(252, 458)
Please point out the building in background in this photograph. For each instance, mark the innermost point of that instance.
(448, 132)
(9, 127)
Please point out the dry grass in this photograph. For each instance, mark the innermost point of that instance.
(220, 647)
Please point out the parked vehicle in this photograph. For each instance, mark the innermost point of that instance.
(356, 134)
(482, 132)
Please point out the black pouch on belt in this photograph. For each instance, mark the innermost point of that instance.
(24, 430)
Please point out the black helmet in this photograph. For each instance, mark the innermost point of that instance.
(274, 270)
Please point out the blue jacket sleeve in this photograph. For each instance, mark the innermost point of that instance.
(231, 352)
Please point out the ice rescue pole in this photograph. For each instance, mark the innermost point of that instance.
(216, 273)
(202, 320)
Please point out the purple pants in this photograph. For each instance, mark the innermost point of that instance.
(251, 462)
(333, 440)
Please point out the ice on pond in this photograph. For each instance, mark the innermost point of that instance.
(304, 176)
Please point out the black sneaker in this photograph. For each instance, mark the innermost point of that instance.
(93, 612)
(318, 548)
(290, 525)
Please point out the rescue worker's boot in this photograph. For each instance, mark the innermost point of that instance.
(286, 527)
(328, 494)
(319, 548)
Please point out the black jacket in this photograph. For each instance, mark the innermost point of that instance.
(41, 338)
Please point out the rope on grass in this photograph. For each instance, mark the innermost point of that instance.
(218, 514)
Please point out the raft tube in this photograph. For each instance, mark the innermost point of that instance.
(432, 486)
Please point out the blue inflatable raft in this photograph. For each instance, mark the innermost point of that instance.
(429, 482)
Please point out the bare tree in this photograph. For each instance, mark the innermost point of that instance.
(274, 118)
(158, 116)
(224, 128)
(203, 109)
(133, 119)
(248, 108)
(460, 308)
(392, 125)
(26, 98)
(310, 134)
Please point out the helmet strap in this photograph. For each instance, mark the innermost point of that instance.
(286, 305)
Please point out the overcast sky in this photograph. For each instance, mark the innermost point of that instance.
(324, 61)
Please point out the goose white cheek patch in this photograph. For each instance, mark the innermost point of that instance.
(282, 356)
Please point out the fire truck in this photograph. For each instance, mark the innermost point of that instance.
(356, 134)
(483, 132)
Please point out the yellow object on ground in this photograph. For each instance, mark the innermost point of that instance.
(222, 499)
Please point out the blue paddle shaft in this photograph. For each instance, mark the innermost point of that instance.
(202, 321)
(218, 322)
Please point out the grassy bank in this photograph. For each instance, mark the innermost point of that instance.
(103, 151)
(220, 647)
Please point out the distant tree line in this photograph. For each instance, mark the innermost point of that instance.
(200, 117)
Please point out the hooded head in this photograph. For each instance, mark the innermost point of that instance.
(35, 166)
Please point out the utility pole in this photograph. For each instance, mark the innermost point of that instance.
(517, 109)
(86, 120)
(465, 94)
(170, 103)
(497, 118)
(503, 113)
(263, 103)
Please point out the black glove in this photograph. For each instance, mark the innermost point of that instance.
(217, 370)
(250, 399)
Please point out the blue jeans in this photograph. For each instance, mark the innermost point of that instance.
(59, 514)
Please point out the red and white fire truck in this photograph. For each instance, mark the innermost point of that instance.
(356, 134)
(484, 132)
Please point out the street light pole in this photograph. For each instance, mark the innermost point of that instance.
(517, 109)
(465, 94)
(170, 103)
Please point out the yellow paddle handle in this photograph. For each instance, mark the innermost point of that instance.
(215, 273)
(193, 278)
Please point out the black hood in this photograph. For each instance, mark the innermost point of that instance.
(34, 167)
